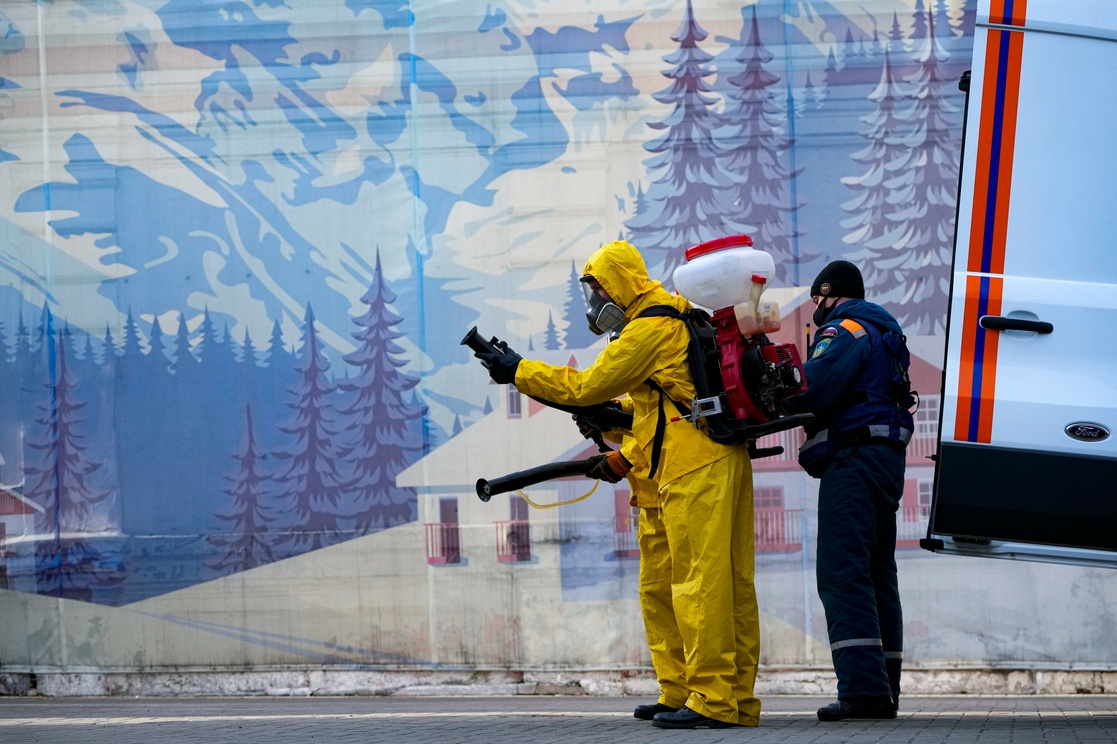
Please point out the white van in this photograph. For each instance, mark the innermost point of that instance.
(1027, 459)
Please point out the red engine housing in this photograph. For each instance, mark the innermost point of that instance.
(756, 373)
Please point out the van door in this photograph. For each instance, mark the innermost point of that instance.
(1027, 460)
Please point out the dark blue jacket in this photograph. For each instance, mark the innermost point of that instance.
(852, 379)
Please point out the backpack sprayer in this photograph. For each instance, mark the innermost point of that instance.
(740, 376)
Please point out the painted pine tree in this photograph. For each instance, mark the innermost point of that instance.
(384, 439)
(578, 334)
(949, 27)
(88, 353)
(690, 198)
(831, 75)
(131, 340)
(157, 356)
(944, 24)
(184, 362)
(277, 353)
(550, 335)
(108, 346)
(309, 482)
(248, 353)
(215, 351)
(21, 344)
(812, 96)
(896, 41)
(58, 476)
(757, 149)
(968, 19)
(871, 225)
(246, 544)
(927, 184)
(920, 28)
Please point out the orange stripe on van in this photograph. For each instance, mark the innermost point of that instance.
(1011, 78)
(997, 11)
(989, 363)
(984, 150)
(967, 357)
(977, 371)
(1008, 12)
(995, 151)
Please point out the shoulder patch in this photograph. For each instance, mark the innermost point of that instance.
(820, 347)
(828, 332)
(853, 327)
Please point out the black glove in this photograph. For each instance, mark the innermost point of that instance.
(502, 366)
(610, 467)
(587, 427)
(602, 418)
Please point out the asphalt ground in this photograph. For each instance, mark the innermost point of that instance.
(527, 719)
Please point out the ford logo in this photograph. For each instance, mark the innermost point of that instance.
(1084, 431)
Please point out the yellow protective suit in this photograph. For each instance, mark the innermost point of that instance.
(705, 488)
(665, 642)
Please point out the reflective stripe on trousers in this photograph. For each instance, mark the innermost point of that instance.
(867, 642)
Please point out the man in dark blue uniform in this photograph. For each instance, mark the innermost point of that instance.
(859, 391)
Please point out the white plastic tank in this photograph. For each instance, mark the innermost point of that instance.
(755, 315)
(719, 273)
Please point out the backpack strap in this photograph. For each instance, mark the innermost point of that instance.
(661, 311)
(660, 432)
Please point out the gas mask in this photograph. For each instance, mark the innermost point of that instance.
(603, 316)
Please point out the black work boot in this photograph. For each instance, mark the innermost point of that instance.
(647, 712)
(864, 708)
(685, 718)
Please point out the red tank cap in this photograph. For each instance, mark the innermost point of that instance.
(729, 241)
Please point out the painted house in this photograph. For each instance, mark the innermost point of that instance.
(585, 554)
(17, 518)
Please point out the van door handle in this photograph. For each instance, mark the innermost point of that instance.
(1001, 323)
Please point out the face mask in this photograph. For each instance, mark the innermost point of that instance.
(821, 313)
(601, 314)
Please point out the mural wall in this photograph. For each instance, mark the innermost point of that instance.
(242, 240)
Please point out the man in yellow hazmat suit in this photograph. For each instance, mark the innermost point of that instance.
(705, 488)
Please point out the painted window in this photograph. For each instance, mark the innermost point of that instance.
(444, 542)
(513, 538)
(778, 530)
(625, 521)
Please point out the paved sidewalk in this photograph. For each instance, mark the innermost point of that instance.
(531, 719)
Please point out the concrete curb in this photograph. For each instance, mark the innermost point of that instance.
(459, 683)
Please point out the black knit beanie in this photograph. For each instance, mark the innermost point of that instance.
(839, 279)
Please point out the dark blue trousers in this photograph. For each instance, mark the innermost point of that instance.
(859, 493)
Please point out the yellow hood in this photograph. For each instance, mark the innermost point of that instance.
(620, 270)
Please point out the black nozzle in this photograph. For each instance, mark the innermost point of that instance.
(478, 344)
(515, 481)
